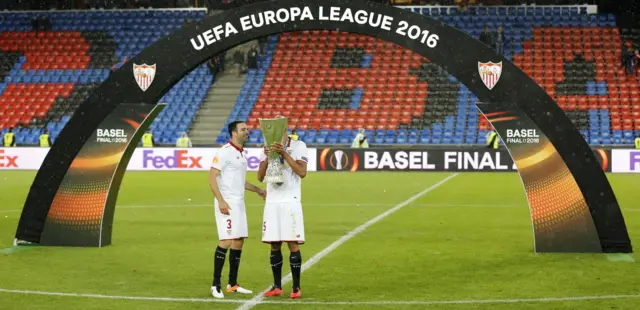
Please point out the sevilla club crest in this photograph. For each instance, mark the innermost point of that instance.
(490, 73)
(144, 75)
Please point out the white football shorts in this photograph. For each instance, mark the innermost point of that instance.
(283, 222)
(234, 225)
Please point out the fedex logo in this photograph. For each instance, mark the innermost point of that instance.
(634, 160)
(7, 161)
(179, 159)
(253, 162)
(625, 161)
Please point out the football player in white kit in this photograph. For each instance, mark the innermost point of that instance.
(227, 179)
(282, 219)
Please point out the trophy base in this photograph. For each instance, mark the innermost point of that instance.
(274, 172)
(274, 179)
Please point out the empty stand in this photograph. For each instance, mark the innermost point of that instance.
(46, 75)
(328, 83)
(331, 84)
(251, 90)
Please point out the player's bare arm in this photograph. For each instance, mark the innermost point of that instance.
(252, 188)
(262, 170)
(213, 184)
(299, 166)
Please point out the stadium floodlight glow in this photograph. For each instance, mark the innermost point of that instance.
(491, 77)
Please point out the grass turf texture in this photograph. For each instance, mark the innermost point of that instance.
(468, 239)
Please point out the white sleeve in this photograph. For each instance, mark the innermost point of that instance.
(301, 153)
(219, 160)
(263, 157)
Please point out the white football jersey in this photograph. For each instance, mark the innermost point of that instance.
(232, 163)
(291, 189)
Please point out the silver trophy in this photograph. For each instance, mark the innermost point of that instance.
(274, 130)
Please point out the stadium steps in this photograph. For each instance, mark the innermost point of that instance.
(216, 108)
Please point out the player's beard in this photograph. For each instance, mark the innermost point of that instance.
(241, 140)
(245, 138)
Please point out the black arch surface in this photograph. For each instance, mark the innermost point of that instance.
(456, 52)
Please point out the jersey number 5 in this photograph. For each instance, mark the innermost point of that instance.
(264, 226)
(228, 223)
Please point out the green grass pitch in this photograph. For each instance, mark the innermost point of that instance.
(459, 246)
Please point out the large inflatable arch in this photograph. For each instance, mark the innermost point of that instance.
(572, 204)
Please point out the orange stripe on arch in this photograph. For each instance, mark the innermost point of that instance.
(132, 123)
(96, 163)
(503, 119)
(547, 151)
(605, 159)
(78, 206)
(494, 113)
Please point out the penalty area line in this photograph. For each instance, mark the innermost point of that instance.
(326, 251)
(326, 303)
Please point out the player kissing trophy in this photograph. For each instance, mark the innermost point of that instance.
(273, 130)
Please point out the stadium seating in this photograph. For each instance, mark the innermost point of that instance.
(400, 98)
(357, 81)
(45, 75)
(250, 91)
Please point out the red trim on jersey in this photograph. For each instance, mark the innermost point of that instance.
(240, 149)
(289, 142)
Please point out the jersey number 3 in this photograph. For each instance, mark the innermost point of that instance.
(228, 223)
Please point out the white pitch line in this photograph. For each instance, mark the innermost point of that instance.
(318, 204)
(326, 303)
(314, 259)
(453, 204)
(120, 297)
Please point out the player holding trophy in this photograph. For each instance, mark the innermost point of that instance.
(283, 166)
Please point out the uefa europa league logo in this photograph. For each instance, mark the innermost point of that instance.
(338, 156)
